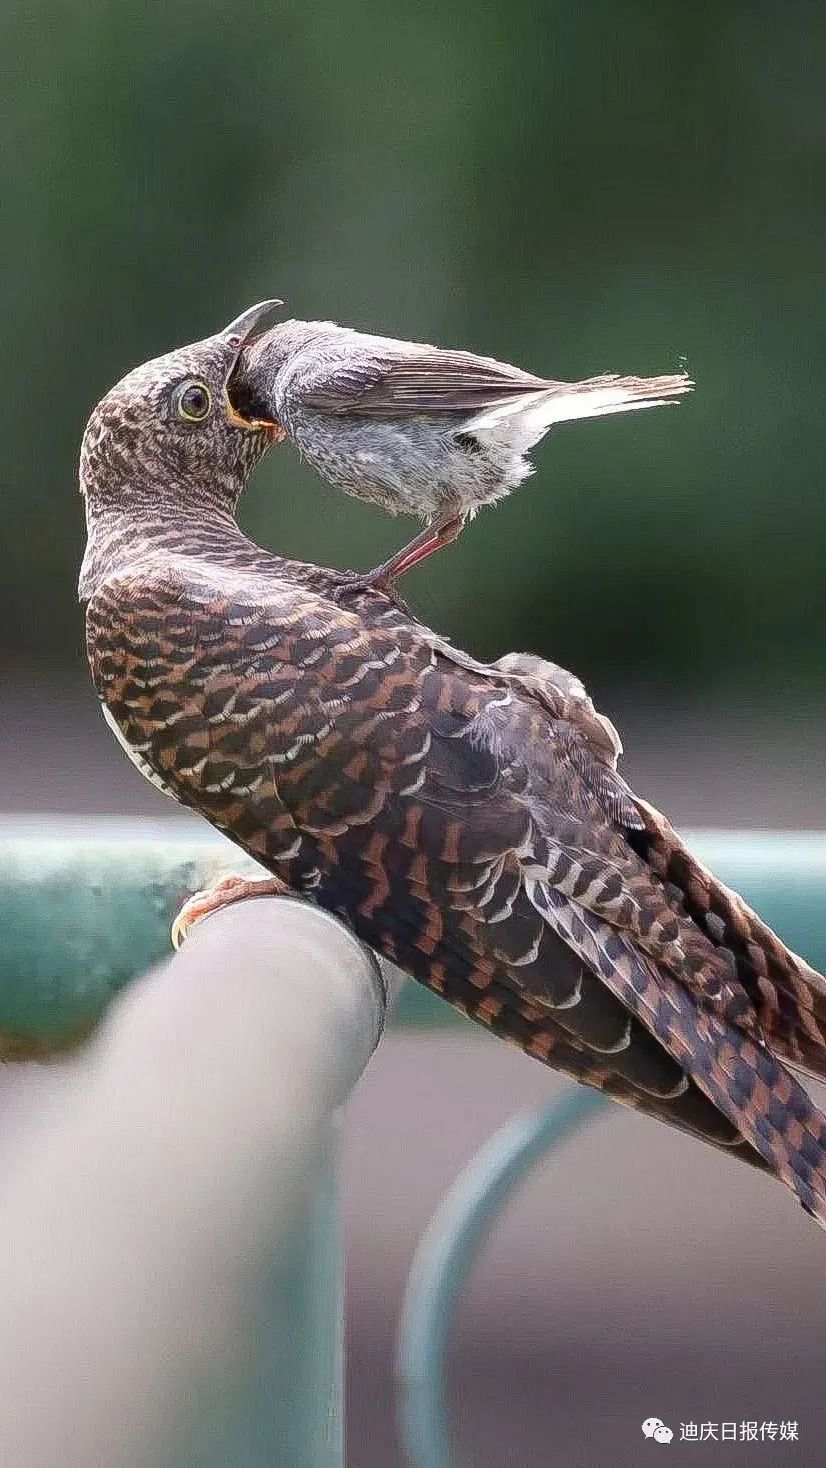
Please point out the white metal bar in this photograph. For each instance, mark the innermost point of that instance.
(169, 1187)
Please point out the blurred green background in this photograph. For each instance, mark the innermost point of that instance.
(573, 187)
(577, 187)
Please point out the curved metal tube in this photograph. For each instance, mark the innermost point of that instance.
(444, 1258)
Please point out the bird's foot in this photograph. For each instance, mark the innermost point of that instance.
(367, 581)
(232, 888)
(358, 583)
(383, 578)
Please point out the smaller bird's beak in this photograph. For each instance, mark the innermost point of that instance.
(238, 332)
(236, 336)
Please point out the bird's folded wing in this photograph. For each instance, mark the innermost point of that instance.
(383, 385)
(447, 818)
(788, 995)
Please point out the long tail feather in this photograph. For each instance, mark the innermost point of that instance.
(528, 417)
(743, 1080)
(788, 995)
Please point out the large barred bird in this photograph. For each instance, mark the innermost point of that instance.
(467, 820)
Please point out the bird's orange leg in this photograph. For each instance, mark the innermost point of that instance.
(433, 538)
(226, 890)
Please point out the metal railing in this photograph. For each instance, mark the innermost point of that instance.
(173, 1193)
(169, 1233)
(452, 1241)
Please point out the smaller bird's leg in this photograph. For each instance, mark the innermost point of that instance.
(422, 546)
(228, 889)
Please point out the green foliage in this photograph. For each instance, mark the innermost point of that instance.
(573, 187)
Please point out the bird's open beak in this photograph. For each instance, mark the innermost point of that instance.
(238, 333)
(273, 430)
(236, 336)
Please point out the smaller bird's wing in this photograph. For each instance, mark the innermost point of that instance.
(382, 383)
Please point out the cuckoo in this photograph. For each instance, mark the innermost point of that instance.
(469, 821)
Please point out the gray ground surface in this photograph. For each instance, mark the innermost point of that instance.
(638, 1273)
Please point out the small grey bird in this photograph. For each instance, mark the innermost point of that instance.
(414, 428)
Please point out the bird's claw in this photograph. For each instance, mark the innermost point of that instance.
(357, 583)
(367, 581)
(231, 888)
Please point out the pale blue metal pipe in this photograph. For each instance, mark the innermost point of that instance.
(85, 905)
(446, 1254)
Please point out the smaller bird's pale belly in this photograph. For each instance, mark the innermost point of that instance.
(418, 468)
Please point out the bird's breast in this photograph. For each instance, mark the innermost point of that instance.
(413, 466)
(137, 758)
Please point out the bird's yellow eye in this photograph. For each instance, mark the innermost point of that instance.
(194, 402)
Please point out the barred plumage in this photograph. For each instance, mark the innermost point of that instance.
(468, 821)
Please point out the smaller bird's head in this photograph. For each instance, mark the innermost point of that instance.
(167, 433)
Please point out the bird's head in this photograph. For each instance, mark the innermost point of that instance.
(168, 434)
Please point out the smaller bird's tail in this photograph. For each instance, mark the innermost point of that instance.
(524, 420)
